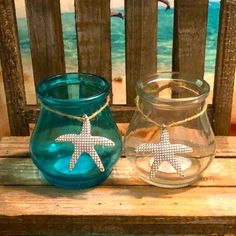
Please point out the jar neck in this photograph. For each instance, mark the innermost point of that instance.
(167, 113)
(79, 108)
(73, 93)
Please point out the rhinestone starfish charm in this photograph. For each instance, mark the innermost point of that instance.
(164, 151)
(85, 142)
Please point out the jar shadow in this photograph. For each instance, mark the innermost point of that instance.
(140, 192)
(22, 174)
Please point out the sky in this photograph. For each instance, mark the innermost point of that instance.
(66, 6)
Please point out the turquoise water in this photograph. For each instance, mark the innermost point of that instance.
(165, 34)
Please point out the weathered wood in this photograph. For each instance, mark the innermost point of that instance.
(94, 39)
(123, 204)
(12, 68)
(18, 171)
(4, 122)
(132, 209)
(46, 40)
(225, 68)
(119, 225)
(19, 146)
(121, 114)
(14, 139)
(141, 43)
(14, 146)
(189, 36)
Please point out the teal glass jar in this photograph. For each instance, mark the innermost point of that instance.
(75, 142)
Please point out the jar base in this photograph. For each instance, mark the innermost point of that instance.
(76, 185)
(186, 183)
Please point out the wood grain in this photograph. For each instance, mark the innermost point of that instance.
(121, 114)
(12, 68)
(141, 43)
(93, 35)
(19, 146)
(132, 209)
(189, 36)
(46, 40)
(124, 204)
(18, 171)
(4, 122)
(225, 68)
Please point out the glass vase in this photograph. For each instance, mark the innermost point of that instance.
(61, 145)
(169, 140)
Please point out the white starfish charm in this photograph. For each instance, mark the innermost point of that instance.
(164, 151)
(85, 142)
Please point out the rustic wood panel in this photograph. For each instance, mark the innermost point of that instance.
(124, 204)
(12, 68)
(121, 114)
(18, 171)
(141, 42)
(189, 36)
(4, 122)
(19, 146)
(133, 209)
(46, 40)
(225, 68)
(94, 39)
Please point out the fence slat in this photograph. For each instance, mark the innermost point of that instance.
(189, 39)
(225, 68)
(93, 32)
(121, 114)
(12, 68)
(141, 42)
(46, 40)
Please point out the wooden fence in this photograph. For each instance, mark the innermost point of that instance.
(94, 50)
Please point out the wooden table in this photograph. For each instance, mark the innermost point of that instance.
(123, 204)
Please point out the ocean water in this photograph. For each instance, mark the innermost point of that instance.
(165, 35)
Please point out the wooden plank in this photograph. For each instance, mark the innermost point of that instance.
(18, 171)
(141, 43)
(19, 146)
(4, 122)
(14, 139)
(121, 114)
(189, 36)
(94, 39)
(225, 68)
(12, 68)
(133, 209)
(46, 40)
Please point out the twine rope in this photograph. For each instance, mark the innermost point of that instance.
(80, 118)
(174, 123)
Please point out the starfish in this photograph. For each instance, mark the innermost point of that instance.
(85, 142)
(164, 151)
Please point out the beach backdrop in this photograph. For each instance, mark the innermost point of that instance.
(165, 40)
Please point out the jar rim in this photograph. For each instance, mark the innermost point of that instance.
(71, 78)
(202, 86)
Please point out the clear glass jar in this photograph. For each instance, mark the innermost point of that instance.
(64, 97)
(170, 105)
